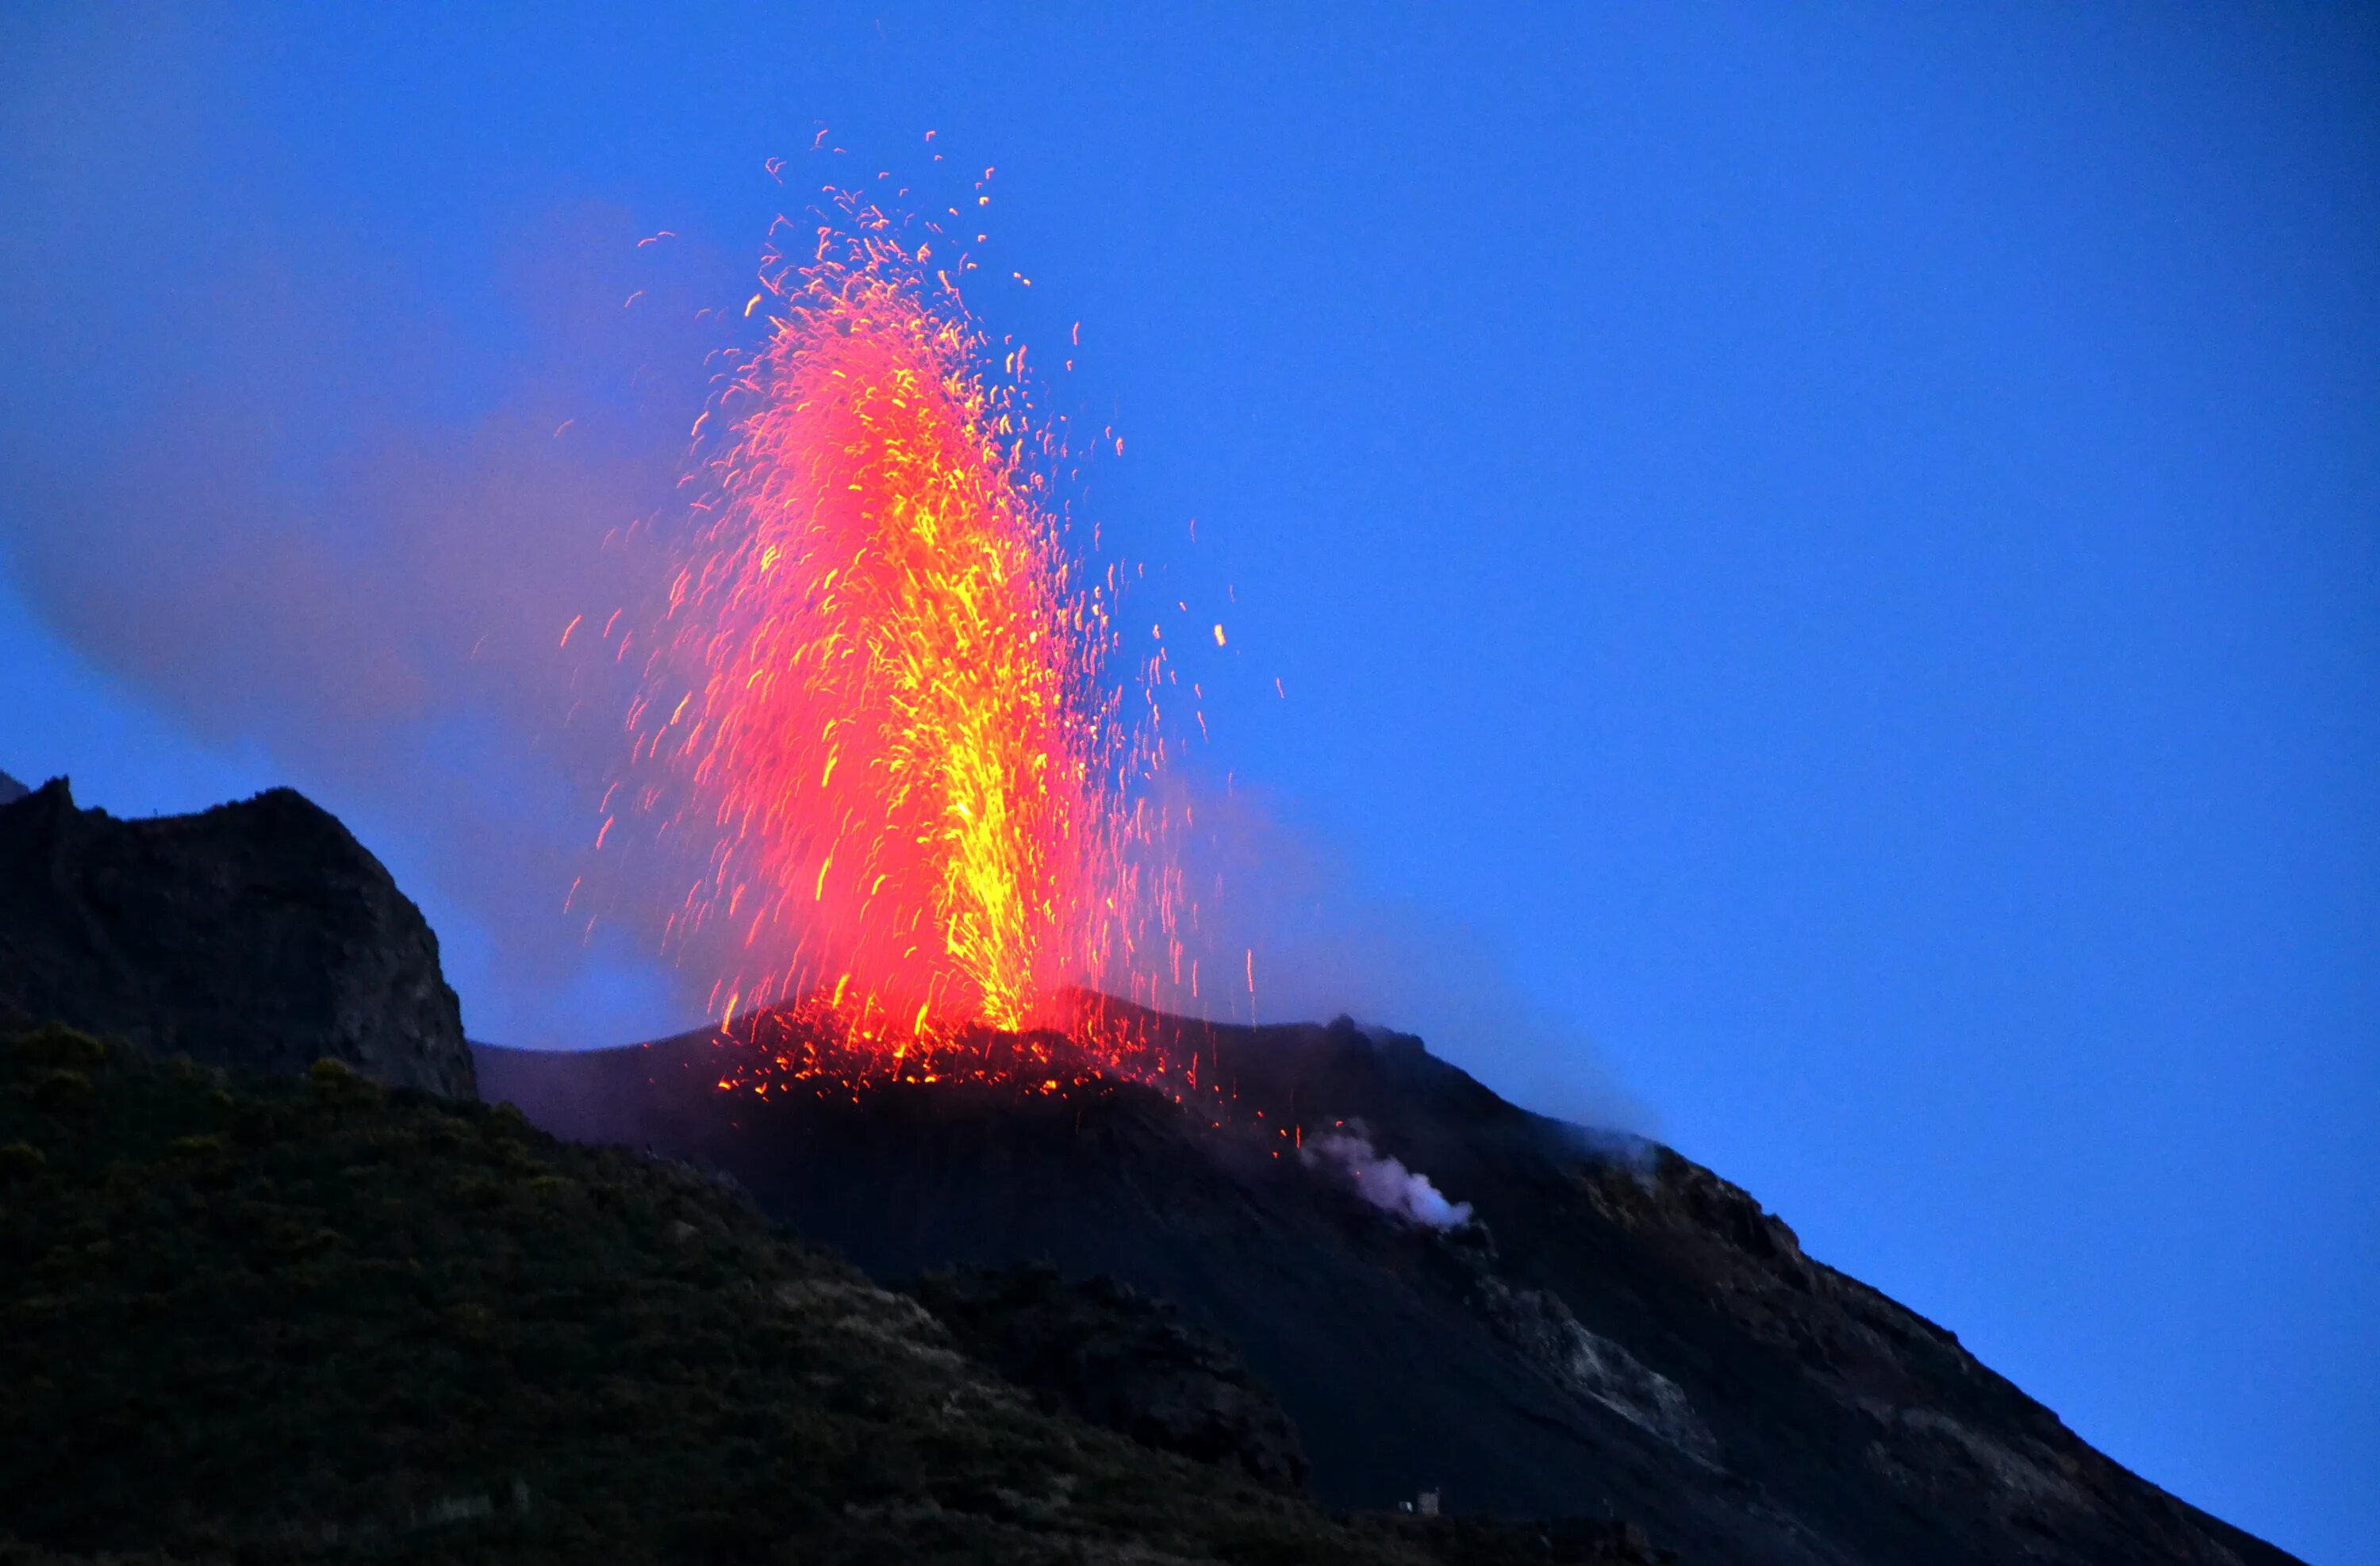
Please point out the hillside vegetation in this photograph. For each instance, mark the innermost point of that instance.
(314, 1320)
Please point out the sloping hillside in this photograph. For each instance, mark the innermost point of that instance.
(311, 1318)
(1558, 1324)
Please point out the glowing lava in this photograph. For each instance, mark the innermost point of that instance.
(876, 692)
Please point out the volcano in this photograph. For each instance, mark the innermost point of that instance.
(1446, 1292)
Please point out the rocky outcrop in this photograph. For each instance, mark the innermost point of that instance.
(11, 790)
(258, 935)
(1105, 1352)
(1536, 1323)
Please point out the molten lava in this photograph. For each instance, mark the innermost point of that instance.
(1081, 1036)
(877, 693)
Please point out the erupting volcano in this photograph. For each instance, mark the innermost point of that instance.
(876, 700)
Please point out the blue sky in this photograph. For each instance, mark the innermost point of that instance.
(1826, 563)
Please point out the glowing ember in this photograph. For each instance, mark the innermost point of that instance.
(876, 692)
(809, 1045)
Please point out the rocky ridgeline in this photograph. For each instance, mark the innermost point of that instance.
(258, 935)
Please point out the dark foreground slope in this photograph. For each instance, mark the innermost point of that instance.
(1617, 1331)
(257, 934)
(309, 1319)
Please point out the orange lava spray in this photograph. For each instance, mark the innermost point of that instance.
(877, 691)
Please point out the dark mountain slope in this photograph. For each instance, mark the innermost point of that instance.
(260, 934)
(1100, 1349)
(1617, 1332)
(310, 1320)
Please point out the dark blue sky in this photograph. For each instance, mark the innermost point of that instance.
(1826, 563)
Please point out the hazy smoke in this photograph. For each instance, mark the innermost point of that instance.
(333, 514)
(1384, 1182)
(274, 489)
(1267, 898)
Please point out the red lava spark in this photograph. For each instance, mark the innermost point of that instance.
(877, 695)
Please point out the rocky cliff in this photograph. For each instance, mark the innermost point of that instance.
(260, 935)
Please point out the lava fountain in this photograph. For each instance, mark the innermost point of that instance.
(876, 696)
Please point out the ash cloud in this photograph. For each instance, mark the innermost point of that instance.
(269, 483)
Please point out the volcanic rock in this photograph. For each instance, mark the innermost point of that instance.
(1099, 1349)
(259, 935)
(1612, 1331)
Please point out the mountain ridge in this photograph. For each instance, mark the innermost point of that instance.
(1448, 1294)
(1613, 1327)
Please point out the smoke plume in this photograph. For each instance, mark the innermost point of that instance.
(1278, 927)
(1384, 1182)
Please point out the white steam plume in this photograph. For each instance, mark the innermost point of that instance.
(1385, 1182)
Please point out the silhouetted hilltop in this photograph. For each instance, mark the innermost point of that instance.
(259, 934)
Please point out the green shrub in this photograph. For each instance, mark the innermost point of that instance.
(60, 1091)
(55, 1044)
